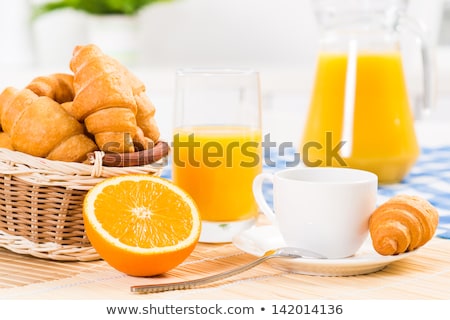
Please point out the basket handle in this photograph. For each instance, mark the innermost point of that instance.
(131, 159)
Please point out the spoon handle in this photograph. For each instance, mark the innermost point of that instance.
(152, 288)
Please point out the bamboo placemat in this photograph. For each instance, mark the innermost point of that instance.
(424, 275)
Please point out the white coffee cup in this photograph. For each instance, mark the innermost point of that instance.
(323, 209)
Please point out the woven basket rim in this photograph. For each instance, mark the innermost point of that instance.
(73, 175)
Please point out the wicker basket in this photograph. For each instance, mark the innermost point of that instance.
(41, 204)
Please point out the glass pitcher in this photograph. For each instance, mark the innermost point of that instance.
(359, 115)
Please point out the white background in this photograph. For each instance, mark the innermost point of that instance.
(276, 37)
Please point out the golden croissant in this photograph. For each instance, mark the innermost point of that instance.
(110, 102)
(58, 86)
(145, 108)
(39, 126)
(5, 98)
(403, 223)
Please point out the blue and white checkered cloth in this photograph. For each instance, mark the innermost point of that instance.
(429, 178)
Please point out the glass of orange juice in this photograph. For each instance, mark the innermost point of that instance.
(216, 150)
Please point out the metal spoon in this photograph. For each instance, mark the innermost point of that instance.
(287, 252)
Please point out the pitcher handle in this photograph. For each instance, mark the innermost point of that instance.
(259, 196)
(428, 100)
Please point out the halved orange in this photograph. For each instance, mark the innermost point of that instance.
(142, 225)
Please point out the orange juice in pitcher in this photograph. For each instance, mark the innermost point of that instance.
(359, 115)
(382, 139)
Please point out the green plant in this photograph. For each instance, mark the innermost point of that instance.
(96, 7)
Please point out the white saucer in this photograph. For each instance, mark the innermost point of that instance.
(258, 240)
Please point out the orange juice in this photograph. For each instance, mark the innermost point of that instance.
(216, 165)
(382, 133)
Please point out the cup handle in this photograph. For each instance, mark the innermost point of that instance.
(259, 196)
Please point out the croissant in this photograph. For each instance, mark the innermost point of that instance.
(403, 223)
(58, 86)
(102, 83)
(5, 97)
(68, 106)
(39, 126)
(103, 99)
(145, 109)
